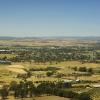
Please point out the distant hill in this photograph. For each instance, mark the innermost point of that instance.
(14, 38)
(54, 38)
(7, 38)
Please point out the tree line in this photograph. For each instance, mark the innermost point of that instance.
(25, 89)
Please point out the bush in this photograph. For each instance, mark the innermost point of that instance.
(90, 70)
(50, 73)
(84, 96)
(75, 68)
(83, 69)
(68, 94)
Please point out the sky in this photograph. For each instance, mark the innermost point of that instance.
(38, 18)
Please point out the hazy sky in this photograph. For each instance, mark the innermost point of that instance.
(49, 18)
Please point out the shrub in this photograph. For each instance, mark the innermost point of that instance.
(84, 96)
(50, 73)
(83, 69)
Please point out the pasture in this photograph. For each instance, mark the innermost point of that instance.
(8, 72)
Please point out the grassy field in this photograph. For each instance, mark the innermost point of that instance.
(41, 98)
(7, 55)
(46, 42)
(8, 73)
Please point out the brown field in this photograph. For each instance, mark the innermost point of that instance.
(46, 42)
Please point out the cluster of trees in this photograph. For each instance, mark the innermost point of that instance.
(98, 55)
(44, 69)
(4, 92)
(83, 69)
(59, 54)
(55, 54)
(28, 89)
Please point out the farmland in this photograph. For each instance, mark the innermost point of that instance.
(51, 61)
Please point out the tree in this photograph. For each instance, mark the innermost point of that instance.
(4, 92)
(13, 85)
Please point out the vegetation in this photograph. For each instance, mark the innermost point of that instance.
(28, 89)
(65, 71)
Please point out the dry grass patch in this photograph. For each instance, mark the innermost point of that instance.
(17, 69)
